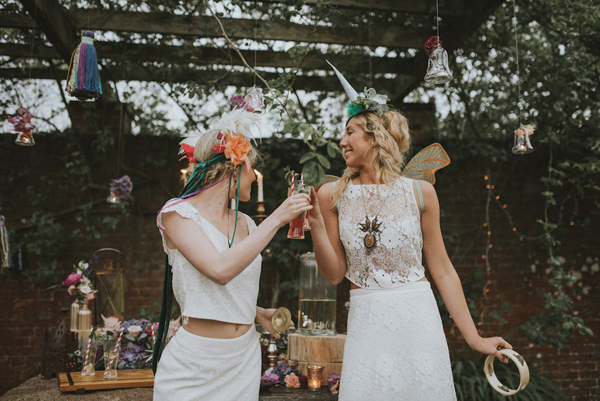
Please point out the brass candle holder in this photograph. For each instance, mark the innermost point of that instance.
(260, 211)
(315, 377)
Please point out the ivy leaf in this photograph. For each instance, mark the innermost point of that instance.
(331, 149)
(306, 157)
(291, 126)
(324, 161)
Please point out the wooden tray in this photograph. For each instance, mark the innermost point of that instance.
(129, 378)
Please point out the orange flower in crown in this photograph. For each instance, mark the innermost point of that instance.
(235, 146)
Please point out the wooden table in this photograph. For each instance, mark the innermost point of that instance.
(39, 389)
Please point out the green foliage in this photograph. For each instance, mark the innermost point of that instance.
(559, 73)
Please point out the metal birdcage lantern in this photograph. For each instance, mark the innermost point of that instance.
(109, 281)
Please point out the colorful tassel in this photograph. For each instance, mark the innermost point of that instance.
(83, 79)
(4, 248)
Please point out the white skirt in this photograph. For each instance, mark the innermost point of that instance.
(209, 369)
(396, 348)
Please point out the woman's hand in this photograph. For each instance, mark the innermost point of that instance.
(263, 317)
(489, 346)
(292, 207)
(315, 213)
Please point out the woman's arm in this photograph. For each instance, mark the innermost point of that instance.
(222, 267)
(447, 280)
(325, 234)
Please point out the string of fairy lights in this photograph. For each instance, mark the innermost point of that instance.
(493, 197)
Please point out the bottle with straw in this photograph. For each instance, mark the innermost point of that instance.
(111, 359)
(90, 354)
(297, 225)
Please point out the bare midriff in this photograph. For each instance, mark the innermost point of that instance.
(355, 287)
(215, 329)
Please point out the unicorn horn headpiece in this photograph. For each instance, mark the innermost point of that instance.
(350, 91)
(369, 101)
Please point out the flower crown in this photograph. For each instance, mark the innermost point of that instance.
(234, 128)
(368, 101)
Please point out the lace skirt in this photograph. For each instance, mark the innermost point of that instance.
(396, 348)
(209, 369)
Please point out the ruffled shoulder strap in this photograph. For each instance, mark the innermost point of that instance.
(184, 209)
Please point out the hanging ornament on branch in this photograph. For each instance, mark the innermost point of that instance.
(22, 125)
(522, 144)
(438, 72)
(120, 189)
(83, 79)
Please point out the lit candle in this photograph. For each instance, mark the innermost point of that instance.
(259, 178)
(314, 377)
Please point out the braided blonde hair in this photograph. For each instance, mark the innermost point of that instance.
(391, 135)
(216, 172)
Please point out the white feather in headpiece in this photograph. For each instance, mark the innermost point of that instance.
(239, 121)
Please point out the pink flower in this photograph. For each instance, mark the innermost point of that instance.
(72, 279)
(335, 389)
(112, 324)
(292, 381)
(89, 297)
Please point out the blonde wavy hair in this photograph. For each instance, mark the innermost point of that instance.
(391, 137)
(216, 172)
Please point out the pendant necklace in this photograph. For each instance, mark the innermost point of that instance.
(371, 228)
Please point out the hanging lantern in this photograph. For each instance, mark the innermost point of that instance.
(120, 189)
(438, 72)
(109, 280)
(522, 144)
(83, 78)
(22, 125)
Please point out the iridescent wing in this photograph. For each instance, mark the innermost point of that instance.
(425, 163)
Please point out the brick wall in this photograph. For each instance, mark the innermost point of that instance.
(27, 310)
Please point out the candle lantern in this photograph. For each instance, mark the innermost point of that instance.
(109, 282)
(318, 300)
(315, 377)
(522, 145)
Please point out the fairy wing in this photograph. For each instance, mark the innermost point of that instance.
(425, 163)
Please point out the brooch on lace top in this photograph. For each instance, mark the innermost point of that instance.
(370, 227)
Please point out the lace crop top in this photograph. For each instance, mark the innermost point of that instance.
(200, 297)
(396, 258)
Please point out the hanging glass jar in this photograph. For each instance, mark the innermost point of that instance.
(25, 139)
(522, 144)
(318, 300)
(438, 71)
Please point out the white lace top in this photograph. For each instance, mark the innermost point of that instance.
(396, 258)
(200, 297)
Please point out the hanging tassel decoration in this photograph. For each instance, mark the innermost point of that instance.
(83, 79)
(4, 248)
